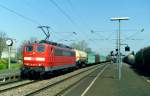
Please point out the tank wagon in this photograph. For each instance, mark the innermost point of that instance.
(142, 59)
(130, 59)
(81, 58)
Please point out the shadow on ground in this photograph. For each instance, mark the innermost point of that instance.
(141, 71)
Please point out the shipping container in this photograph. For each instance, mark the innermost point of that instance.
(102, 58)
(91, 58)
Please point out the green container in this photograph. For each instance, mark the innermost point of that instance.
(91, 58)
(102, 58)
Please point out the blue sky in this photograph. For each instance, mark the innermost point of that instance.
(86, 15)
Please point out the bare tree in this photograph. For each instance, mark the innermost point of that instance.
(2, 42)
(81, 45)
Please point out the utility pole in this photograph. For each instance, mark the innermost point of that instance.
(119, 61)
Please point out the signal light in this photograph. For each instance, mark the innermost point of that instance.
(127, 48)
(116, 49)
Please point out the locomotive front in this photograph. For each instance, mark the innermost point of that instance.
(35, 58)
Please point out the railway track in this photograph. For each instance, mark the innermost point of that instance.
(62, 92)
(16, 84)
(10, 82)
(37, 87)
(55, 86)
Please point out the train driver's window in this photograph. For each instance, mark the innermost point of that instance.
(29, 48)
(40, 48)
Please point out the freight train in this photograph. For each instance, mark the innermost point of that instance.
(93, 58)
(129, 59)
(142, 59)
(45, 57)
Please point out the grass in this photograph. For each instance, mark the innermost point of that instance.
(3, 66)
(12, 66)
(15, 66)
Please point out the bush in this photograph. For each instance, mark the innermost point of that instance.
(16, 66)
(3, 61)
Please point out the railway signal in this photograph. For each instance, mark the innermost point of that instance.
(127, 48)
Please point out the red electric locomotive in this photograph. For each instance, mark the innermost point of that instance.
(45, 56)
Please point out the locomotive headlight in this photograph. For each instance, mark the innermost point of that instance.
(26, 63)
(40, 59)
(27, 58)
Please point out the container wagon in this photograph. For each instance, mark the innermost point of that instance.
(97, 58)
(91, 58)
(102, 58)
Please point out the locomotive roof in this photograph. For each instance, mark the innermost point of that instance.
(55, 44)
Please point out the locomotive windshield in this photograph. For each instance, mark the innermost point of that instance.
(59, 52)
(29, 48)
(40, 48)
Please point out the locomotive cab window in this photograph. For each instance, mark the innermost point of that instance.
(40, 48)
(72, 54)
(68, 53)
(29, 48)
(58, 52)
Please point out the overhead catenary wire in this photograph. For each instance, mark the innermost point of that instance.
(63, 12)
(34, 9)
(69, 35)
(79, 16)
(66, 15)
(99, 34)
(20, 15)
(134, 34)
(70, 3)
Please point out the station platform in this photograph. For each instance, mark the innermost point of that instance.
(108, 84)
(8, 75)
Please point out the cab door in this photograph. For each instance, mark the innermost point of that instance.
(50, 56)
(40, 54)
(28, 55)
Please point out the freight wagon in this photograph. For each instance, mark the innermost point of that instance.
(142, 59)
(91, 58)
(95, 58)
(130, 59)
(102, 58)
(81, 58)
